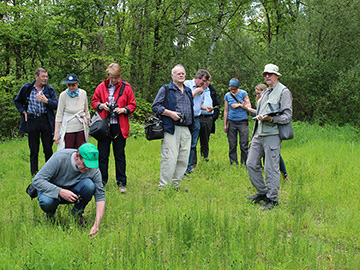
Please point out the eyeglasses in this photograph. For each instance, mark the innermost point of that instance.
(258, 94)
(267, 74)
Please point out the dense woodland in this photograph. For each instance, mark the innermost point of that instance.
(314, 42)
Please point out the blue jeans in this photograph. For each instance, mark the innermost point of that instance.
(194, 139)
(85, 189)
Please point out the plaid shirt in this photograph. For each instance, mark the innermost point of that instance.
(34, 105)
(183, 105)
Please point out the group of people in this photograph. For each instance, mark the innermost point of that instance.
(78, 170)
(188, 108)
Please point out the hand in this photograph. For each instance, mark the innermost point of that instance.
(209, 109)
(264, 117)
(41, 98)
(25, 115)
(68, 195)
(225, 129)
(120, 110)
(175, 116)
(56, 139)
(235, 105)
(201, 89)
(104, 106)
(94, 231)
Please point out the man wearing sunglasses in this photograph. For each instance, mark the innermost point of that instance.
(266, 140)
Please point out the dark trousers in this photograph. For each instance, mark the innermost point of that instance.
(235, 128)
(74, 140)
(39, 128)
(206, 122)
(119, 154)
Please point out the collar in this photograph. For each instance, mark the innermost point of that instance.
(72, 94)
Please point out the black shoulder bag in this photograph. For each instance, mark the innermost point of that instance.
(100, 128)
(154, 129)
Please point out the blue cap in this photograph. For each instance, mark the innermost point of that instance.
(71, 78)
(234, 83)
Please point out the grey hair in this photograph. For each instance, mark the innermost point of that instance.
(39, 70)
(201, 73)
(177, 66)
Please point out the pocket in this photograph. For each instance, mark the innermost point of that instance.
(274, 150)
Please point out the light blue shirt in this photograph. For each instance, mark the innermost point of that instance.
(208, 102)
(198, 99)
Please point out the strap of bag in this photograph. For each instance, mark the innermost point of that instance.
(235, 98)
(120, 94)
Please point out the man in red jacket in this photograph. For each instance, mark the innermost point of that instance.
(116, 98)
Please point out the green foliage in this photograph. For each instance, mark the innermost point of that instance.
(309, 40)
(10, 120)
(213, 226)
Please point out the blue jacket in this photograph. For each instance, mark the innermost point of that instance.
(170, 104)
(22, 101)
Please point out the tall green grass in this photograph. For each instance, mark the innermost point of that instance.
(213, 226)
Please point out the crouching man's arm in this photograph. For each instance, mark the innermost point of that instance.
(100, 210)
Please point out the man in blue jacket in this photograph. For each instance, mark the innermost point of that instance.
(174, 102)
(36, 102)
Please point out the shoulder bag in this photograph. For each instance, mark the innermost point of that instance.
(100, 128)
(154, 129)
(285, 131)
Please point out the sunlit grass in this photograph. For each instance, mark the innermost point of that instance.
(213, 226)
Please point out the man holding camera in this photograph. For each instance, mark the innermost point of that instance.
(198, 85)
(174, 102)
(115, 99)
(72, 176)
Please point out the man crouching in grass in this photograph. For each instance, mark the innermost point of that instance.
(72, 176)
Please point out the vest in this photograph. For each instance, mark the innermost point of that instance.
(267, 128)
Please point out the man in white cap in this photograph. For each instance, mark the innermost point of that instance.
(266, 140)
(72, 176)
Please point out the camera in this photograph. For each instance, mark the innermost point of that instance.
(181, 121)
(112, 107)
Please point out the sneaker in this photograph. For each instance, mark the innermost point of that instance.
(122, 189)
(286, 178)
(269, 205)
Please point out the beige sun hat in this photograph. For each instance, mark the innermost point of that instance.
(271, 68)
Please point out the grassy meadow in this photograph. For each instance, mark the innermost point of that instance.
(213, 226)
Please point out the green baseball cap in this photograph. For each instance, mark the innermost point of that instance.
(90, 154)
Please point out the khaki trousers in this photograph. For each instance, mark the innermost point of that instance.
(175, 150)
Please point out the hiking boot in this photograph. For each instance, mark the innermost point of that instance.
(269, 205)
(122, 189)
(258, 198)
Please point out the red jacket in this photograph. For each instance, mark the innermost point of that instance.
(127, 101)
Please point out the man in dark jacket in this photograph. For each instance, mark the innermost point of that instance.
(207, 121)
(174, 103)
(36, 101)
